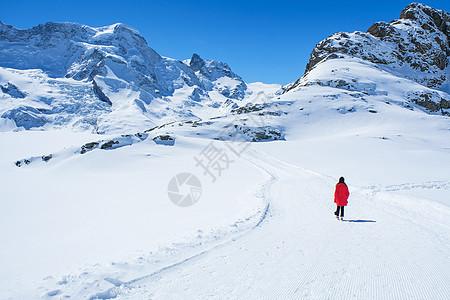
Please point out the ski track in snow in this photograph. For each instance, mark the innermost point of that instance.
(411, 186)
(119, 286)
(299, 250)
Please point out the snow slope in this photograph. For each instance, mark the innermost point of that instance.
(415, 47)
(391, 244)
(301, 252)
(84, 215)
(117, 235)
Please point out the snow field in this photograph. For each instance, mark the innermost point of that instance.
(301, 251)
(70, 223)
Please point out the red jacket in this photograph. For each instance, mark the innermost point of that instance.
(341, 194)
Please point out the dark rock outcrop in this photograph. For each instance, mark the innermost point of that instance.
(12, 90)
(164, 139)
(98, 91)
(420, 40)
(26, 117)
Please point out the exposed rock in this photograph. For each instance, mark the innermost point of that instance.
(109, 144)
(432, 101)
(252, 133)
(26, 117)
(141, 136)
(88, 147)
(46, 158)
(210, 73)
(230, 104)
(12, 90)
(266, 108)
(344, 110)
(166, 140)
(381, 29)
(22, 162)
(249, 107)
(420, 40)
(98, 91)
(90, 65)
(196, 63)
(437, 18)
(198, 95)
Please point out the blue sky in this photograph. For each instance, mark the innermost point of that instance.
(267, 41)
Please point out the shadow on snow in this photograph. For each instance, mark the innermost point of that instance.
(360, 221)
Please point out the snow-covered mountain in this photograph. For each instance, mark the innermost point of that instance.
(407, 59)
(113, 82)
(107, 79)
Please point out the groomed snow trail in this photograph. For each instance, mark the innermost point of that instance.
(300, 250)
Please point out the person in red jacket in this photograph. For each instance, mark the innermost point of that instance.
(340, 197)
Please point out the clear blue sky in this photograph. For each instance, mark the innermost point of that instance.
(267, 41)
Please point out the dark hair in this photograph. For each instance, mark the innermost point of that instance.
(341, 180)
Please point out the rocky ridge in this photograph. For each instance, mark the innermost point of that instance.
(416, 47)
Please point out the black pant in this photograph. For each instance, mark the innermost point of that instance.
(342, 211)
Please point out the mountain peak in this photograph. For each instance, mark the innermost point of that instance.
(196, 62)
(118, 73)
(428, 16)
(118, 29)
(417, 44)
(416, 11)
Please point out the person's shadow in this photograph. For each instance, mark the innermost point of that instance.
(360, 221)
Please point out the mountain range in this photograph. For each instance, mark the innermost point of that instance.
(109, 80)
(67, 74)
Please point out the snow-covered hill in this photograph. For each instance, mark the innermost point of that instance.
(415, 47)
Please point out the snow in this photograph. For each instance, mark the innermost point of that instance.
(7, 124)
(301, 251)
(125, 70)
(101, 224)
(86, 212)
(107, 31)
